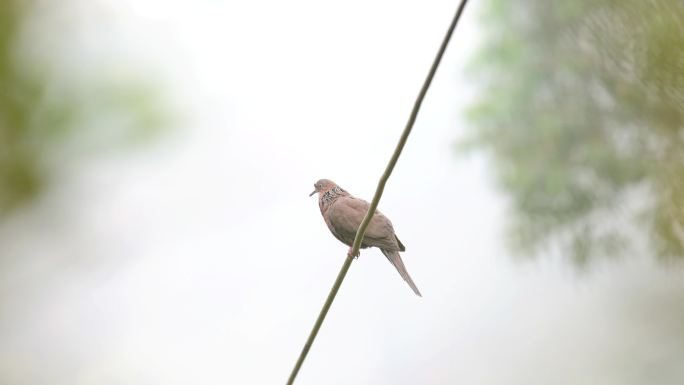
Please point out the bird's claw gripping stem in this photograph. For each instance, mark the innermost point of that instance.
(349, 253)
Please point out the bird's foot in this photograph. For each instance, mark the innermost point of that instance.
(349, 253)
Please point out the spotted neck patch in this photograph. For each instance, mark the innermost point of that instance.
(331, 194)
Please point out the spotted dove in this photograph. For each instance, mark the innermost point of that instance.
(343, 214)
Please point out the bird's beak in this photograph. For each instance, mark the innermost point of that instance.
(314, 191)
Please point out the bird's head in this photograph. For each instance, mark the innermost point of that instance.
(322, 186)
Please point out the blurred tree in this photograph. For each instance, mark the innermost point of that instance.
(47, 113)
(582, 111)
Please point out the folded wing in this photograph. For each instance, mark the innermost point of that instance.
(346, 215)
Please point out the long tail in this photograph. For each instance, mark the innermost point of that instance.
(395, 259)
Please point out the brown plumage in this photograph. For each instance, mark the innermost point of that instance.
(343, 214)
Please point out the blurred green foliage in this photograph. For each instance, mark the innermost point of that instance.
(19, 179)
(47, 116)
(582, 110)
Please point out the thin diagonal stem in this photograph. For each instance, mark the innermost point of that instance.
(407, 131)
(321, 317)
(378, 194)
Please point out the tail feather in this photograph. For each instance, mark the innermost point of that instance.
(395, 259)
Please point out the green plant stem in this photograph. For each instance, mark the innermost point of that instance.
(378, 194)
(321, 317)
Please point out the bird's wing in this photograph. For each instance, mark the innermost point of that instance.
(346, 216)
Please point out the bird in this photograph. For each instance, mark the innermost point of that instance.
(343, 213)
